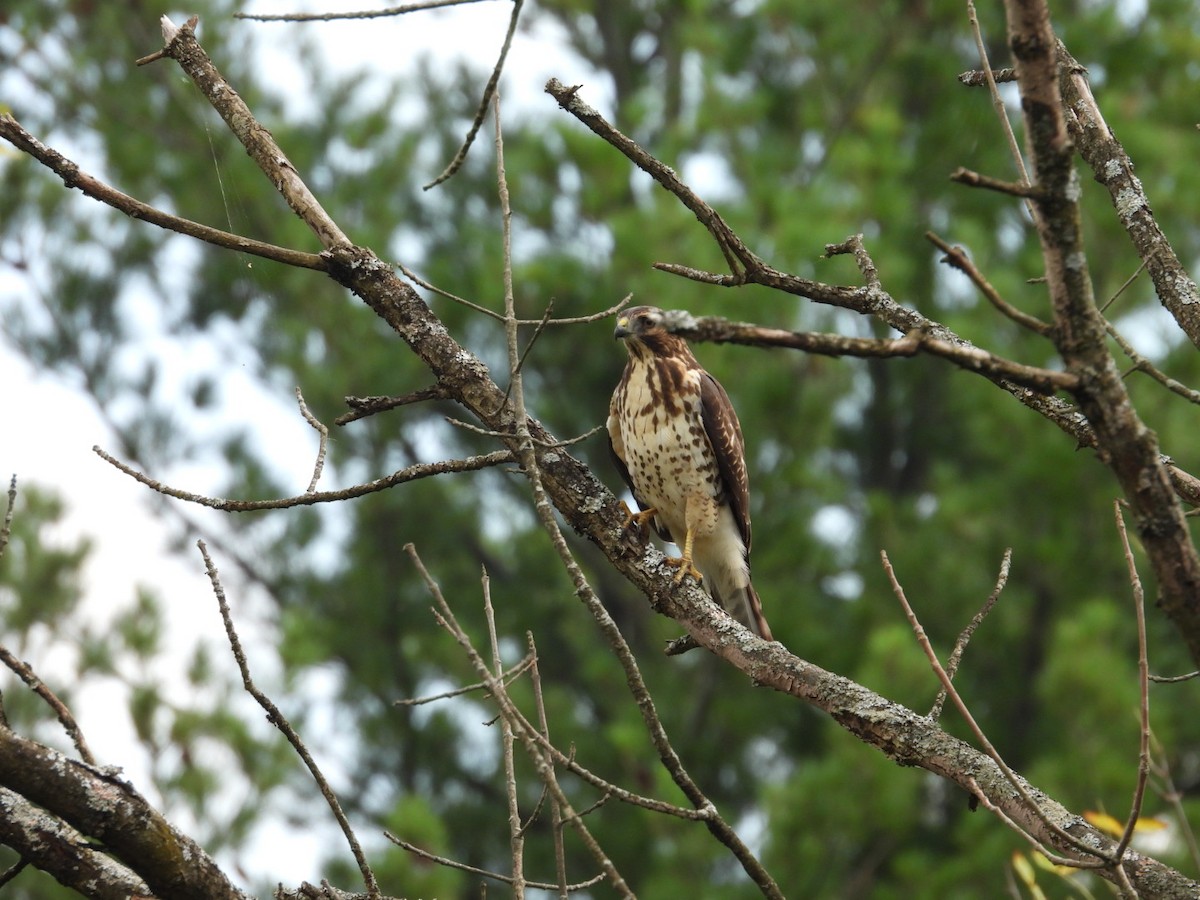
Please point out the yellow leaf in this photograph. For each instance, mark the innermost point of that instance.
(1109, 825)
(1043, 862)
(1105, 823)
(1024, 870)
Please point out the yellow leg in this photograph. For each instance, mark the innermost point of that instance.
(640, 519)
(684, 563)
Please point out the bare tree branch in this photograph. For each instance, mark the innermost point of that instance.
(1139, 611)
(957, 258)
(1010, 776)
(182, 46)
(411, 473)
(53, 846)
(543, 733)
(544, 767)
(1128, 447)
(361, 407)
(74, 177)
(358, 14)
(964, 637)
(280, 721)
(1141, 364)
(101, 805)
(489, 92)
(1111, 167)
(323, 440)
(975, 179)
(6, 524)
(25, 672)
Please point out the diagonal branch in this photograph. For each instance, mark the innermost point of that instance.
(181, 45)
(25, 672)
(46, 842)
(1111, 167)
(731, 245)
(310, 498)
(280, 722)
(541, 762)
(101, 805)
(74, 177)
(489, 92)
(1126, 445)
(355, 14)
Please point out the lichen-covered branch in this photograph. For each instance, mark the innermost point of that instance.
(107, 809)
(1111, 167)
(1124, 442)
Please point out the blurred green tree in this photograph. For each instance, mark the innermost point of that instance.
(802, 123)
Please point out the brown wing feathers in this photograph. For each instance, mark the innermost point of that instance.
(725, 435)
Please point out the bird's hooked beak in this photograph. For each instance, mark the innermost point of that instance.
(622, 330)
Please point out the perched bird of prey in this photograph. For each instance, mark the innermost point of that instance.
(677, 443)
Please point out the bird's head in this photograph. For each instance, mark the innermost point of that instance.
(644, 332)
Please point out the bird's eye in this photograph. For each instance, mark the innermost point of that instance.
(645, 319)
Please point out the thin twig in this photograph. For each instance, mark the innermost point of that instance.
(556, 823)
(516, 834)
(495, 876)
(489, 92)
(359, 14)
(509, 676)
(964, 638)
(499, 317)
(972, 178)
(958, 259)
(1141, 364)
(446, 618)
(1139, 609)
(1014, 148)
(855, 246)
(361, 407)
(411, 473)
(537, 332)
(74, 177)
(323, 442)
(588, 810)
(1124, 286)
(571, 764)
(977, 792)
(25, 672)
(529, 344)
(13, 871)
(1174, 679)
(548, 445)
(6, 525)
(985, 744)
(280, 721)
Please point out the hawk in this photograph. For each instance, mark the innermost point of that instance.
(677, 443)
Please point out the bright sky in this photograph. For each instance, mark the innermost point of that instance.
(58, 425)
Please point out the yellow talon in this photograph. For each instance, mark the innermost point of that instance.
(685, 566)
(640, 519)
(684, 563)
